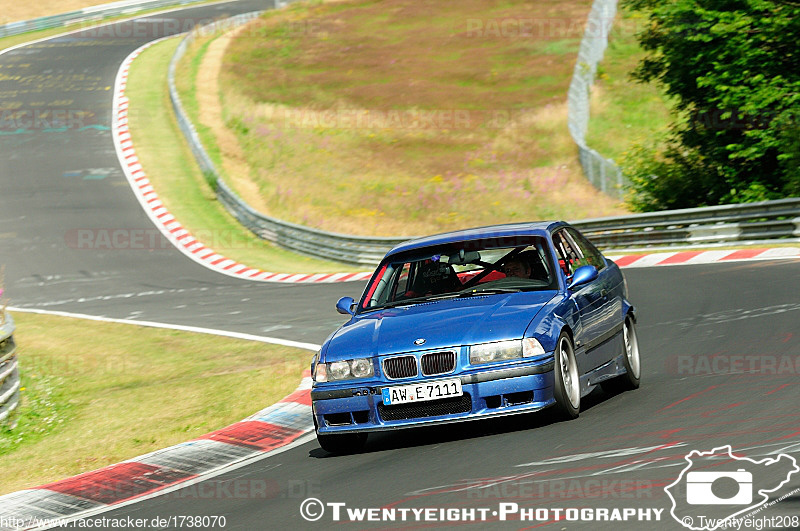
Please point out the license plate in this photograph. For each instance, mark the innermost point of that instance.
(422, 392)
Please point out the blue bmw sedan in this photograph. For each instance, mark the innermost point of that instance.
(472, 324)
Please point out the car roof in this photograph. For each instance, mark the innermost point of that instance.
(533, 228)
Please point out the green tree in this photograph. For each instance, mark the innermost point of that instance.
(733, 69)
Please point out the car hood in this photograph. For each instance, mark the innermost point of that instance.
(444, 323)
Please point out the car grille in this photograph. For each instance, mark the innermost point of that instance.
(438, 363)
(435, 408)
(400, 367)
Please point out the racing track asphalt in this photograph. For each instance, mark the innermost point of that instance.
(56, 181)
(689, 316)
(691, 320)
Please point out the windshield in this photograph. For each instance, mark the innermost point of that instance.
(462, 269)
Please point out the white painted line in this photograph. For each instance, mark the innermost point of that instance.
(200, 330)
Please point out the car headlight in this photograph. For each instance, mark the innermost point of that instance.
(338, 370)
(505, 350)
(344, 370)
(501, 350)
(362, 368)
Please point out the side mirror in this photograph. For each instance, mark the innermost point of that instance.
(345, 306)
(583, 275)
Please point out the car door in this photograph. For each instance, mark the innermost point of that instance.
(588, 300)
(607, 340)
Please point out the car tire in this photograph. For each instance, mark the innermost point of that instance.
(344, 443)
(630, 359)
(567, 389)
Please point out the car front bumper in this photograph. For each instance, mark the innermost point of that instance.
(488, 392)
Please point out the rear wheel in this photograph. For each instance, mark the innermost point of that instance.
(567, 382)
(631, 360)
(340, 443)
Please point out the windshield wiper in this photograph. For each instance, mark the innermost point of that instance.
(417, 300)
(443, 296)
(395, 304)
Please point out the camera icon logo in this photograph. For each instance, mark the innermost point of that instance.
(719, 488)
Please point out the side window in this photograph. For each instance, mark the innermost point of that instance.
(590, 253)
(569, 255)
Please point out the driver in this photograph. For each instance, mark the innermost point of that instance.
(517, 268)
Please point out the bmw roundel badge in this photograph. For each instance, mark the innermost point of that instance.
(420, 341)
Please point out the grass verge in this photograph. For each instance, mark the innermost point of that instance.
(463, 126)
(93, 398)
(171, 168)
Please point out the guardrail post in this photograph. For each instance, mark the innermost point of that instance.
(9, 369)
(716, 233)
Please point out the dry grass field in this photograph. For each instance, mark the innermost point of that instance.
(403, 117)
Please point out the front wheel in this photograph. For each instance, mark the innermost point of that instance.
(567, 382)
(633, 368)
(340, 443)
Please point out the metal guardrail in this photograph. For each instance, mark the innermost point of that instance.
(714, 225)
(603, 173)
(766, 220)
(89, 14)
(9, 369)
